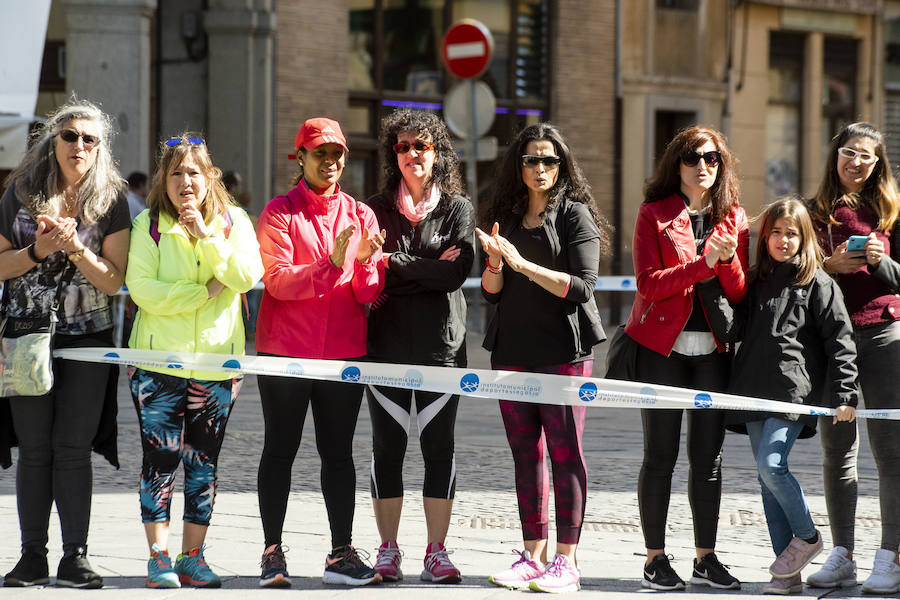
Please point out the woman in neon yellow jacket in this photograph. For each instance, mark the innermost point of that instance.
(193, 254)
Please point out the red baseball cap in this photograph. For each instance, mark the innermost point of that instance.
(318, 131)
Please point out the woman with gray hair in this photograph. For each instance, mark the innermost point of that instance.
(64, 230)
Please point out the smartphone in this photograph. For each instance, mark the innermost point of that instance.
(856, 243)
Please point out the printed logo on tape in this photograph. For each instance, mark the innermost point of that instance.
(294, 369)
(703, 400)
(231, 364)
(351, 374)
(175, 362)
(414, 378)
(588, 392)
(821, 412)
(648, 395)
(469, 383)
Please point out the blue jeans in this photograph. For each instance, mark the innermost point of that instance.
(786, 512)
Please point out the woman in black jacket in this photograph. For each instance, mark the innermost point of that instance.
(420, 319)
(547, 231)
(797, 346)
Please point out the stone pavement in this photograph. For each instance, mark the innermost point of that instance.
(484, 529)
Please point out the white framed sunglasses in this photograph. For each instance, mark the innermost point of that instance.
(864, 157)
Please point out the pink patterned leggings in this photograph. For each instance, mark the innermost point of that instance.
(528, 427)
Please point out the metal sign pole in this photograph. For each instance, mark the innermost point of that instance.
(472, 163)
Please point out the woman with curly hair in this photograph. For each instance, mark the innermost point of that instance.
(193, 253)
(419, 319)
(689, 229)
(546, 228)
(64, 230)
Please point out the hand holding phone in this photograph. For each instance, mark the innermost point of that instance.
(857, 243)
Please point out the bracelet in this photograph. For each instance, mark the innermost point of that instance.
(77, 255)
(33, 255)
(534, 273)
(492, 268)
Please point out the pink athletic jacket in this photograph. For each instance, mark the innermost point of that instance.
(310, 308)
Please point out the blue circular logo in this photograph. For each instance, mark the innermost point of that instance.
(351, 374)
(533, 387)
(626, 284)
(414, 378)
(587, 392)
(469, 383)
(703, 400)
(231, 364)
(112, 354)
(174, 362)
(648, 395)
(294, 369)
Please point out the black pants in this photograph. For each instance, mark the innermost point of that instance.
(390, 410)
(335, 408)
(662, 437)
(55, 432)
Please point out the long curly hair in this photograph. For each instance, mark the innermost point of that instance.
(444, 173)
(39, 181)
(509, 195)
(170, 157)
(724, 194)
(879, 190)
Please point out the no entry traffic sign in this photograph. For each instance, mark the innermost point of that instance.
(467, 48)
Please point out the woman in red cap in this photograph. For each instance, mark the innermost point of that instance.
(320, 250)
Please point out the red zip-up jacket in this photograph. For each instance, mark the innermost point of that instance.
(666, 266)
(310, 308)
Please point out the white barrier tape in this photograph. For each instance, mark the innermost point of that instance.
(480, 383)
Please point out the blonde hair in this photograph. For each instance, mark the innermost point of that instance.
(809, 255)
(217, 198)
(39, 182)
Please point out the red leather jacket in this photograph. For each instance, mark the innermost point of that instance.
(666, 266)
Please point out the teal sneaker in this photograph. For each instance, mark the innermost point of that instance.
(160, 573)
(193, 570)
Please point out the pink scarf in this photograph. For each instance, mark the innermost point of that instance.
(416, 212)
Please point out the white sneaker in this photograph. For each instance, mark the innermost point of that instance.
(837, 572)
(885, 577)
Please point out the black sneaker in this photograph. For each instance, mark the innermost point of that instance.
(75, 571)
(30, 570)
(344, 566)
(659, 575)
(274, 568)
(709, 571)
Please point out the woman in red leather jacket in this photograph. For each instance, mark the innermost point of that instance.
(690, 228)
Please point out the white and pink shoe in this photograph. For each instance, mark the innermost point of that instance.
(561, 576)
(520, 574)
(438, 568)
(388, 561)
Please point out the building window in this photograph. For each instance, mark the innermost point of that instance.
(839, 88)
(394, 64)
(892, 85)
(783, 115)
(678, 4)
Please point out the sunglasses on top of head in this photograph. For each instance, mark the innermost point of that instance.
(533, 160)
(177, 141)
(71, 136)
(419, 146)
(691, 158)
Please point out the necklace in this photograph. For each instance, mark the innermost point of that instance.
(526, 222)
(70, 201)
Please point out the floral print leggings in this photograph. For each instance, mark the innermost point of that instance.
(182, 420)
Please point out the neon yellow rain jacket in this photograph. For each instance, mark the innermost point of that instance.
(168, 281)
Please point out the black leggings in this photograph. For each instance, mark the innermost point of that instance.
(335, 408)
(662, 437)
(390, 410)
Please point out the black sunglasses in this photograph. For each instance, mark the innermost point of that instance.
(419, 146)
(71, 136)
(176, 141)
(691, 158)
(533, 160)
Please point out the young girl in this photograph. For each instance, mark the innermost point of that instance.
(797, 347)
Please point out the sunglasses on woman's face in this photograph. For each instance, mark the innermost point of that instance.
(177, 141)
(691, 158)
(419, 146)
(864, 157)
(533, 160)
(71, 136)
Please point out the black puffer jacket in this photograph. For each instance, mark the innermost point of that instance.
(797, 344)
(421, 316)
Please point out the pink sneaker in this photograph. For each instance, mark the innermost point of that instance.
(388, 561)
(520, 574)
(797, 555)
(560, 576)
(438, 568)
